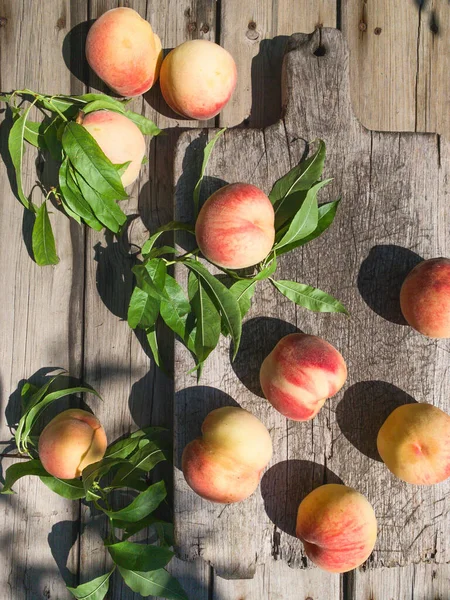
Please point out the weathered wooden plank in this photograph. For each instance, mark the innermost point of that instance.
(41, 310)
(433, 82)
(399, 63)
(414, 582)
(256, 33)
(277, 581)
(116, 360)
(39, 547)
(389, 184)
(383, 39)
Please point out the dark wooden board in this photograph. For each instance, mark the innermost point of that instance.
(394, 189)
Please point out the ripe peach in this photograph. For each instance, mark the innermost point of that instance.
(123, 51)
(337, 526)
(235, 227)
(425, 298)
(300, 373)
(414, 443)
(70, 442)
(197, 79)
(119, 138)
(225, 465)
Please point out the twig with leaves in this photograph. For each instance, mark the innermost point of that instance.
(127, 463)
(212, 308)
(89, 184)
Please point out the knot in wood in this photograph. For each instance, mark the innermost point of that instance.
(3, 21)
(204, 28)
(377, 30)
(362, 26)
(192, 26)
(252, 34)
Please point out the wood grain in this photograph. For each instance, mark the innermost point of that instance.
(256, 33)
(390, 213)
(116, 360)
(41, 313)
(399, 63)
(415, 582)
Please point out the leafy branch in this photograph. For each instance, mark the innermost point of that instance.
(89, 184)
(211, 307)
(126, 464)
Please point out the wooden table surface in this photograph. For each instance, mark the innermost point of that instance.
(72, 315)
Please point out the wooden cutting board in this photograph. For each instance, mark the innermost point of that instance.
(394, 211)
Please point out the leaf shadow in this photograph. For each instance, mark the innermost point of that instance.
(381, 276)
(114, 276)
(61, 539)
(292, 481)
(364, 408)
(259, 337)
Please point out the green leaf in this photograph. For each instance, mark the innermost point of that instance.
(301, 177)
(206, 154)
(309, 297)
(208, 323)
(144, 460)
(105, 210)
(104, 103)
(157, 270)
(52, 142)
(28, 419)
(91, 97)
(59, 104)
(42, 239)
(95, 471)
(69, 212)
(92, 590)
(243, 291)
(16, 151)
(122, 448)
(306, 219)
(144, 504)
(161, 251)
(27, 403)
(91, 163)
(174, 306)
(73, 197)
(153, 343)
(143, 309)
(171, 226)
(327, 212)
(19, 470)
(139, 557)
(34, 134)
(67, 488)
(153, 583)
(223, 300)
(123, 167)
(146, 126)
(163, 529)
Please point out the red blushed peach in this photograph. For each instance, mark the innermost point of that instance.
(124, 52)
(235, 227)
(414, 443)
(425, 298)
(197, 79)
(70, 442)
(120, 139)
(337, 526)
(300, 373)
(226, 463)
